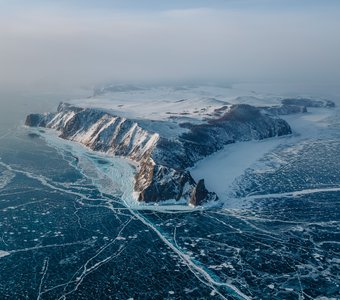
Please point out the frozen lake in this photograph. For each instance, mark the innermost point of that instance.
(68, 232)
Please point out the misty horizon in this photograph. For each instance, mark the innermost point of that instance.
(61, 45)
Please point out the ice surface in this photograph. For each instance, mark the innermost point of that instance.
(222, 169)
(4, 253)
(114, 177)
(67, 239)
(5, 178)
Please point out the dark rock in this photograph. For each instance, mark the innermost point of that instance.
(33, 135)
(308, 102)
(241, 123)
(201, 195)
(34, 120)
(284, 109)
(158, 183)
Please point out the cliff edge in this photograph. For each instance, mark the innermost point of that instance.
(163, 156)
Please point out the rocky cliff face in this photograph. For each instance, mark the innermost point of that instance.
(200, 194)
(163, 160)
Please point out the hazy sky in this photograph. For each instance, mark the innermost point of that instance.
(72, 43)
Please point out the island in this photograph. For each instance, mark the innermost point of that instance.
(167, 137)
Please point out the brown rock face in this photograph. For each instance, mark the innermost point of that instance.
(156, 183)
(200, 194)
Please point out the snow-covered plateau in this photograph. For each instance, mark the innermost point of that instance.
(183, 139)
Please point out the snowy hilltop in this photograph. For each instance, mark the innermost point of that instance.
(166, 130)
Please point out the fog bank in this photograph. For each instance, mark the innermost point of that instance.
(61, 46)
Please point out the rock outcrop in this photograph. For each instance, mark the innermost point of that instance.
(284, 109)
(296, 105)
(307, 102)
(163, 160)
(199, 194)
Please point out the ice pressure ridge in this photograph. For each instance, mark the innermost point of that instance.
(163, 149)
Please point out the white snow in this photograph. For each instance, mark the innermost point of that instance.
(220, 169)
(170, 103)
(310, 124)
(154, 104)
(169, 106)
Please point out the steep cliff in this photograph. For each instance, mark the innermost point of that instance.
(163, 157)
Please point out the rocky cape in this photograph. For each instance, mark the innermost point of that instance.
(163, 159)
(297, 105)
